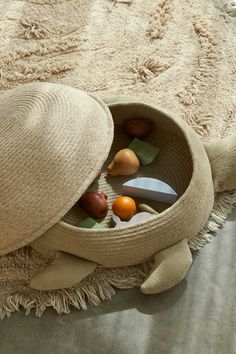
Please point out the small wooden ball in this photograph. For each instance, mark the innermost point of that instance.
(138, 127)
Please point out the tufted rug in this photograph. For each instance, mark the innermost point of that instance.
(178, 54)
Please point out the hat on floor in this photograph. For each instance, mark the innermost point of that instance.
(47, 159)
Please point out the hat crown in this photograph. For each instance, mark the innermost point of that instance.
(51, 151)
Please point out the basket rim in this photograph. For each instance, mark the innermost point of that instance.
(187, 132)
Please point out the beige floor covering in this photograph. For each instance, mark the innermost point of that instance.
(178, 54)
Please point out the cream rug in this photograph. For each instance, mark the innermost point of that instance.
(178, 54)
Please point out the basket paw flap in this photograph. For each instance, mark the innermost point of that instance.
(170, 267)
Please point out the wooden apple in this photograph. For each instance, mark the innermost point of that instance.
(95, 204)
(138, 127)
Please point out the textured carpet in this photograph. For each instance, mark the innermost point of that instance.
(180, 55)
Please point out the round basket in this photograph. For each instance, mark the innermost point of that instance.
(182, 163)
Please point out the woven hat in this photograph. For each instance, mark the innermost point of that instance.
(182, 163)
(54, 141)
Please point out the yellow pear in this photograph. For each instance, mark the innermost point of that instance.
(125, 163)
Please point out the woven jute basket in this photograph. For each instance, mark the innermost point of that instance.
(182, 163)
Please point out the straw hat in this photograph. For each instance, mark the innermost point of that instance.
(54, 141)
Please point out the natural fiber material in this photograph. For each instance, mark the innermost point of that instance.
(222, 207)
(47, 159)
(182, 163)
(223, 162)
(170, 268)
(91, 291)
(187, 65)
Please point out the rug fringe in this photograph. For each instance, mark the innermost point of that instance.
(222, 207)
(97, 288)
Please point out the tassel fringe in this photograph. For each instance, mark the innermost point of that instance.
(160, 16)
(101, 284)
(222, 208)
(91, 291)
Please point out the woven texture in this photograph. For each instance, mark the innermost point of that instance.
(47, 159)
(178, 55)
(182, 163)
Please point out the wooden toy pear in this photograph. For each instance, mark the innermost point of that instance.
(125, 163)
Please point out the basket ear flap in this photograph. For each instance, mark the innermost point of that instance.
(170, 267)
(222, 157)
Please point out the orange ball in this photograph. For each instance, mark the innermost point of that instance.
(124, 207)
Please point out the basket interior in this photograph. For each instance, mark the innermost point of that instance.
(173, 164)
